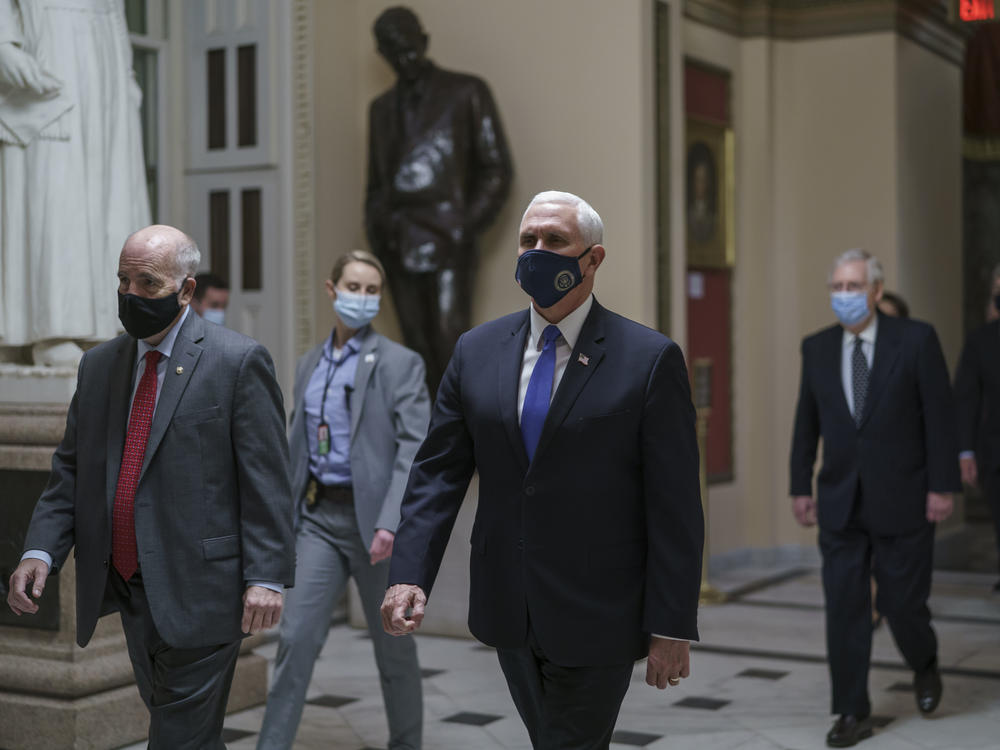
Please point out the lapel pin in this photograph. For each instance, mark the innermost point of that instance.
(370, 357)
(583, 359)
(180, 370)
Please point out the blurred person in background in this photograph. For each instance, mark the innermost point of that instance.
(211, 298)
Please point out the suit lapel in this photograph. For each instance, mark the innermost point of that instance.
(180, 368)
(832, 368)
(583, 361)
(887, 346)
(367, 359)
(305, 374)
(511, 356)
(119, 395)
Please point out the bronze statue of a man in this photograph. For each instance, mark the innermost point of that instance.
(438, 172)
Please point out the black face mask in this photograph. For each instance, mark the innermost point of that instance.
(144, 317)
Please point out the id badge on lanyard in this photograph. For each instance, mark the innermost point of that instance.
(323, 438)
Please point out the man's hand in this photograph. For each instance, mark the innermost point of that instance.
(29, 577)
(261, 608)
(668, 662)
(381, 548)
(21, 70)
(939, 506)
(804, 508)
(970, 472)
(398, 599)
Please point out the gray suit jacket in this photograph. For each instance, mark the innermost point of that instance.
(390, 410)
(212, 507)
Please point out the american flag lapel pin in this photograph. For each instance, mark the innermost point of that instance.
(583, 359)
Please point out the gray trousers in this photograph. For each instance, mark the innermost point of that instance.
(185, 689)
(328, 550)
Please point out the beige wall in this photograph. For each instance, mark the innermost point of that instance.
(930, 188)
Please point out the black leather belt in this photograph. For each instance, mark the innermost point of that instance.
(317, 491)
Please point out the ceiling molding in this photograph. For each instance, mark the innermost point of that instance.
(925, 22)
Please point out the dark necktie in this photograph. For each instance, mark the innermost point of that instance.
(859, 380)
(539, 393)
(123, 546)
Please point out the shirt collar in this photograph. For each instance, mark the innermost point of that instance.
(867, 335)
(166, 346)
(569, 327)
(352, 346)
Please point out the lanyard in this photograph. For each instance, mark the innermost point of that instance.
(331, 371)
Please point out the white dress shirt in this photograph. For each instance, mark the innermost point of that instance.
(165, 347)
(569, 330)
(847, 353)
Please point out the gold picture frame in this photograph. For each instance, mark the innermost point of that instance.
(708, 194)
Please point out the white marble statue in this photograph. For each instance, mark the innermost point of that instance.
(72, 178)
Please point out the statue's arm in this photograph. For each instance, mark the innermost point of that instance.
(492, 170)
(10, 22)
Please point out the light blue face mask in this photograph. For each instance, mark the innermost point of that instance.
(849, 307)
(356, 310)
(214, 315)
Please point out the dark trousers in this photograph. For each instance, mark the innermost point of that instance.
(434, 309)
(902, 569)
(991, 493)
(185, 689)
(564, 708)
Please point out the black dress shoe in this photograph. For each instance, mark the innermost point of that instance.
(927, 687)
(849, 730)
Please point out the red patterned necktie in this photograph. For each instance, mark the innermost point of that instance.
(123, 547)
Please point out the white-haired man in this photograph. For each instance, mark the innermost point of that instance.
(172, 483)
(586, 548)
(876, 389)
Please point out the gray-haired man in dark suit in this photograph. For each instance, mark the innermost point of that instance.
(172, 483)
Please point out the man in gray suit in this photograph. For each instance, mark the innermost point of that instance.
(361, 411)
(172, 482)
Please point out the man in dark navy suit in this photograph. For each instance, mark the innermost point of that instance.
(586, 548)
(876, 389)
(977, 394)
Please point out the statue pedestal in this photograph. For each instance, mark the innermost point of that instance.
(33, 384)
(54, 694)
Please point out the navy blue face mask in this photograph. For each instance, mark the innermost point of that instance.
(546, 276)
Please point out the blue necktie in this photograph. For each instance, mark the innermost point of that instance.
(539, 393)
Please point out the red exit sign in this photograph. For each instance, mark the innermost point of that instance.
(976, 10)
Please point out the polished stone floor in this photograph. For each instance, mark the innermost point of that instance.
(759, 681)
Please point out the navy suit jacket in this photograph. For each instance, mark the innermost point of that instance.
(977, 393)
(906, 444)
(598, 540)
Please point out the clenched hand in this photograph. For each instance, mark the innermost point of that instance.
(381, 548)
(261, 608)
(804, 508)
(399, 599)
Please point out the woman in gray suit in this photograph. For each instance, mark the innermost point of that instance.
(360, 412)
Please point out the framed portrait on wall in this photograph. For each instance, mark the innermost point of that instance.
(708, 194)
